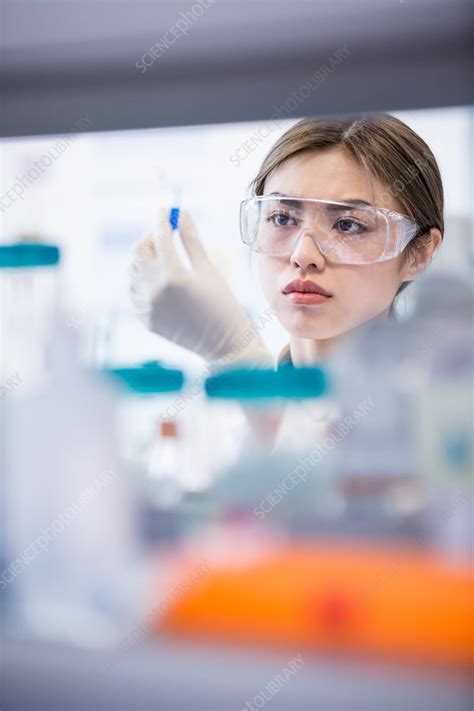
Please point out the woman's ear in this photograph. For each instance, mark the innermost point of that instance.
(420, 258)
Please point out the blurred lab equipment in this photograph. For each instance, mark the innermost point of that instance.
(29, 285)
(336, 547)
(72, 569)
(146, 393)
(164, 437)
(406, 464)
(151, 442)
(444, 316)
(280, 470)
(375, 461)
(332, 596)
(411, 459)
(195, 307)
(28, 298)
(315, 433)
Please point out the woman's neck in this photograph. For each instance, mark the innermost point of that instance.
(307, 351)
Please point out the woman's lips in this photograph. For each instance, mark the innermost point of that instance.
(306, 291)
(308, 297)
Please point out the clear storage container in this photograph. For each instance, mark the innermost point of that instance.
(28, 298)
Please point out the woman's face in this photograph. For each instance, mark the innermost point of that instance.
(359, 292)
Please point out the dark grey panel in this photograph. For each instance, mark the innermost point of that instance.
(172, 676)
(237, 62)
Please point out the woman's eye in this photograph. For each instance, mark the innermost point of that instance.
(280, 219)
(349, 226)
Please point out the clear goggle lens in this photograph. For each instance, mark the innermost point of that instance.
(344, 232)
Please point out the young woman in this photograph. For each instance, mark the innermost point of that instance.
(344, 214)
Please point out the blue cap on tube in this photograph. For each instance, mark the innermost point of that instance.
(174, 218)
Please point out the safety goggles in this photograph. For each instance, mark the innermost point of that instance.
(345, 233)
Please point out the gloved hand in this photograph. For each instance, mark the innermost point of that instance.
(193, 308)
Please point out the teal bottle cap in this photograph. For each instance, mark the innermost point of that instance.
(148, 378)
(25, 255)
(260, 383)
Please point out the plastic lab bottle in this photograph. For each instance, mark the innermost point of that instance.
(152, 439)
(70, 519)
(28, 298)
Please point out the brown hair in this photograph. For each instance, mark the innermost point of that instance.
(387, 148)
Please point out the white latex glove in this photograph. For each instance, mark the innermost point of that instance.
(193, 308)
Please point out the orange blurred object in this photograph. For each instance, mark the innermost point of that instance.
(353, 597)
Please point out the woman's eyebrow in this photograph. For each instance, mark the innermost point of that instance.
(292, 202)
(336, 206)
(352, 202)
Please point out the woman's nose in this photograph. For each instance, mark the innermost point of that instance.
(306, 252)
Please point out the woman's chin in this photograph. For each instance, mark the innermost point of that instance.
(313, 334)
(307, 326)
